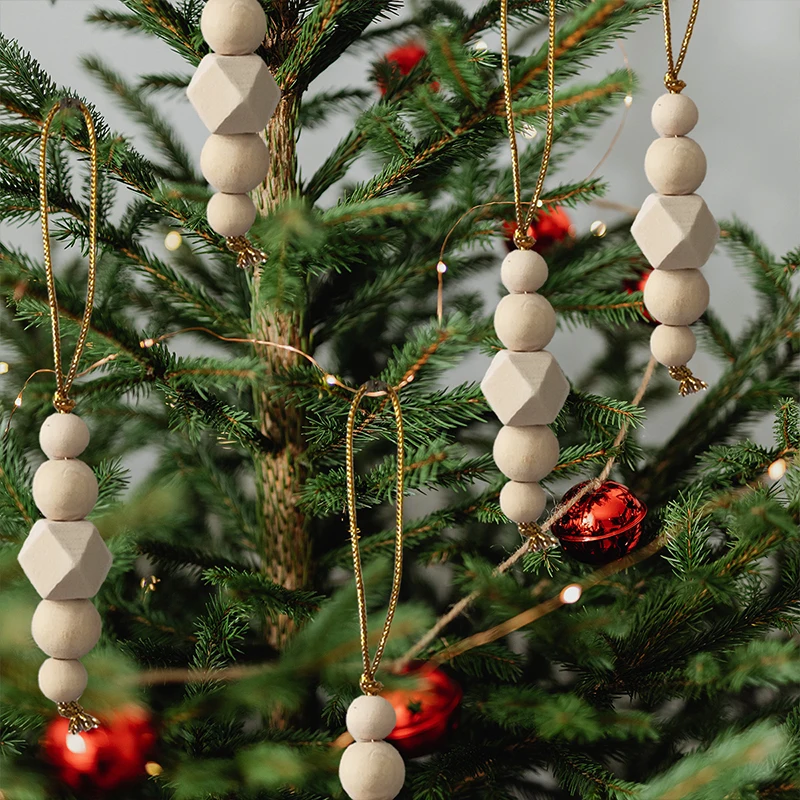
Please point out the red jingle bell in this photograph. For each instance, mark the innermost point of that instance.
(603, 526)
(552, 225)
(106, 757)
(426, 712)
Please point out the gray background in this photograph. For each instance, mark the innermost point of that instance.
(742, 71)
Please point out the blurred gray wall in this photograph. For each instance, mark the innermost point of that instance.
(742, 70)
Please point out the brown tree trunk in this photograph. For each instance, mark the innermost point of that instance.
(286, 547)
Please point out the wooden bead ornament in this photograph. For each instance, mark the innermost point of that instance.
(371, 768)
(674, 228)
(235, 95)
(64, 557)
(524, 384)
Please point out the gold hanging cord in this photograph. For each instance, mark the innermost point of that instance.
(671, 80)
(368, 683)
(524, 220)
(62, 402)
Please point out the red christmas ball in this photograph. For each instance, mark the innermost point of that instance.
(603, 526)
(637, 285)
(552, 225)
(106, 757)
(404, 58)
(426, 713)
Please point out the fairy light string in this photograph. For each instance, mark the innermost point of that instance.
(368, 682)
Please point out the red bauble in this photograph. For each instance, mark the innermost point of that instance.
(552, 225)
(602, 526)
(112, 755)
(637, 285)
(404, 58)
(426, 713)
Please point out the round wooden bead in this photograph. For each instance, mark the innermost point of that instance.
(673, 346)
(676, 296)
(523, 271)
(675, 165)
(526, 454)
(234, 164)
(64, 490)
(62, 681)
(66, 629)
(63, 436)
(522, 502)
(524, 322)
(233, 27)
(370, 718)
(674, 115)
(231, 214)
(372, 771)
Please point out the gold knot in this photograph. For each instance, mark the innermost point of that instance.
(370, 685)
(64, 405)
(522, 240)
(80, 721)
(247, 254)
(673, 83)
(537, 538)
(689, 384)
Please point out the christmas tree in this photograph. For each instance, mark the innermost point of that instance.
(230, 650)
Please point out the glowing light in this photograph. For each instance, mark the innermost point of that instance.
(598, 228)
(153, 769)
(628, 100)
(441, 267)
(331, 380)
(4, 367)
(540, 204)
(173, 240)
(75, 743)
(480, 46)
(147, 343)
(571, 594)
(777, 469)
(18, 402)
(527, 130)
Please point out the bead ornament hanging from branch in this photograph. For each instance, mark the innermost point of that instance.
(64, 556)
(674, 228)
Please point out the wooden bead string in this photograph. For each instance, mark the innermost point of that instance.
(235, 158)
(674, 228)
(524, 385)
(66, 625)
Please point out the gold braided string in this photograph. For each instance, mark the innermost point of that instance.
(369, 685)
(524, 220)
(671, 80)
(62, 402)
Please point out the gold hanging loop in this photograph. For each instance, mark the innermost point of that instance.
(368, 683)
(61, 400)
(672, 82)
(521, 237)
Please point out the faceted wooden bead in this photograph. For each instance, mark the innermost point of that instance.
(64, 490)
(673, 346)
(676, 296)
(526, 454)
(525, 388)
(523, 271)
(66, 629)
(63, 436)
(370, 718)
(372, 771)
(65, 560)
(675, 232)
(233, 27)
(524, 322)
(674, 115)
(62, 681)
(522, 502)
(231, 214)
(234, 164)
(675, 165)
(233, 94)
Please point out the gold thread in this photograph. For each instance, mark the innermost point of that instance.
(671, 81)
(689, 384)
(247, 254)
(80, 721)
(62, 402)
(521, 237)
(368, 683)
